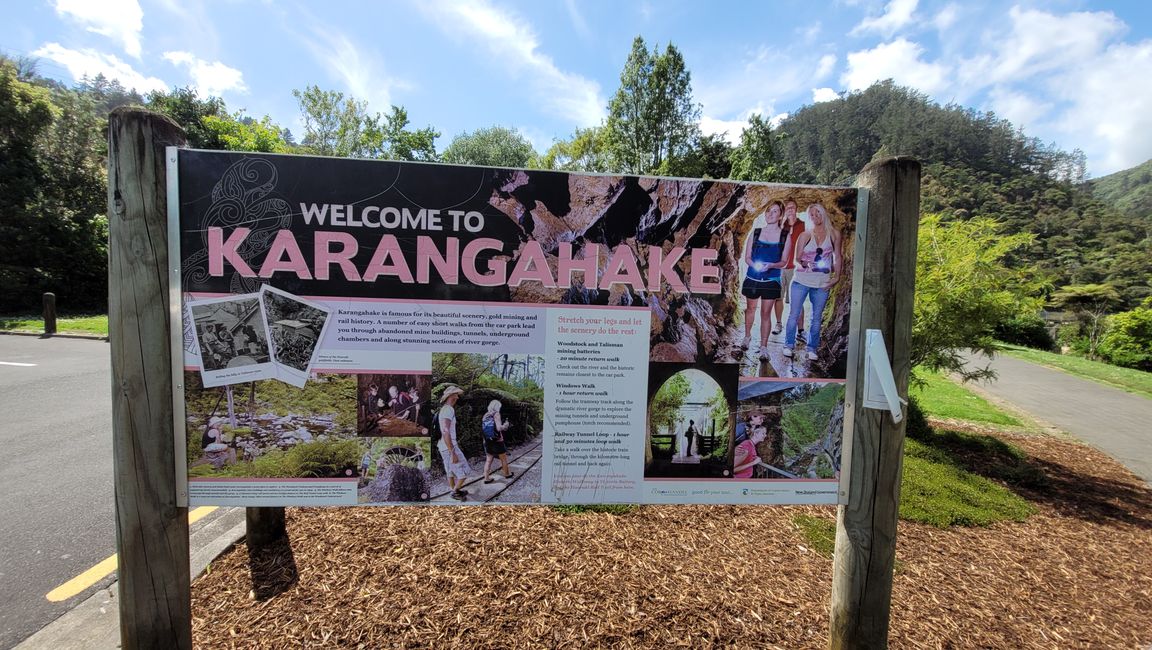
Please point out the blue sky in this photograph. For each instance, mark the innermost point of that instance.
(1071, 72)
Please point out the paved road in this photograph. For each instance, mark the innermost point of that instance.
(56, 508)
(56, 500)
(1109, 419)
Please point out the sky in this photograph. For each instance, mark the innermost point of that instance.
(1070, 72)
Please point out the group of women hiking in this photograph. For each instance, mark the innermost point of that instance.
(790, 262)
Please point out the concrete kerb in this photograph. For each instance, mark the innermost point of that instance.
(67, 335)
(94, 624)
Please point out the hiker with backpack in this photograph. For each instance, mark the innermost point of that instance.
(494, 427)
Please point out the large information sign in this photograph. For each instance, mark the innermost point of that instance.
(367, 332)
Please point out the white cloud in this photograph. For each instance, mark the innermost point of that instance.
(1111, 112)
(945, 18)
(900, 61)
(579, 23)
(1066, 77)
(1039, 42)
(897, 14)
(120, 20)
(767, 77)
(811, 32)
(511, 41)
(87, 62)
(1019, 108)
(731, 129)
(361, 72)
(824, 95)
(213, 78)
(827, 62)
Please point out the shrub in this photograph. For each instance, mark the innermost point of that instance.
(1127, 340)
(964, 287)
(935, 490)
(195, 447)
(325, 458)
(604, 508)
(1029, 331)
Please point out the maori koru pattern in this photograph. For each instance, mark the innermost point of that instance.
(244, 196)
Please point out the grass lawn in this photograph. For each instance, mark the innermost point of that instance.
(941, 397)
(64, 324)
(1133, 381)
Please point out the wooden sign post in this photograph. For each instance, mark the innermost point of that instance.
(866, 527)
(151, 530)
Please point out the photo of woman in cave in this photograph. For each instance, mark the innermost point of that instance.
(819, 262)
(766, 253)
(808, 338)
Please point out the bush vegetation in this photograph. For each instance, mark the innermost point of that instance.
(315, 459)
(1027, 330)
(1127, 340)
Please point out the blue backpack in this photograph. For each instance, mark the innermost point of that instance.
(489, 427)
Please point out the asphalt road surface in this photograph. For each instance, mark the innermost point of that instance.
(56, 508)
(1113, 421)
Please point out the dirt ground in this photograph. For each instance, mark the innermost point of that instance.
(1078, 574)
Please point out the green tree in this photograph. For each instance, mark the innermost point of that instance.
(335, 125)
(242, 133)
(652, 118)
(586, 151)
(664, 408)
(1128, 339)
(188, 110)
(964, 288)
(26, 112)
(709, 158)
(755, 158)
(495, 146)
(1091, 303)
(391, 139)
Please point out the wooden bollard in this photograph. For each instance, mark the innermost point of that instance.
(49, 313)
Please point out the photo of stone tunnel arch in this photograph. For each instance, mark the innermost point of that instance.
(691, 417)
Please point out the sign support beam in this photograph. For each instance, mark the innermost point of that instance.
(151, 529)
(866, 526)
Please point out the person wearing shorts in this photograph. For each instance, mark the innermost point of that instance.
(455, 464)
(765, 253)
(494, 447)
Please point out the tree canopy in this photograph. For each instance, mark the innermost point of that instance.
(652, 118)
(495, 146)
(335, 125)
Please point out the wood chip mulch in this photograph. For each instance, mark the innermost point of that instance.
(1078, 574)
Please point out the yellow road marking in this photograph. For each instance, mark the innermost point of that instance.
(107, 566)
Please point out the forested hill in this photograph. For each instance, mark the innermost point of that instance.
(978, 165)
(1130, 191)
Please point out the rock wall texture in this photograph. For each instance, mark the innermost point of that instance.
(639, 212)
